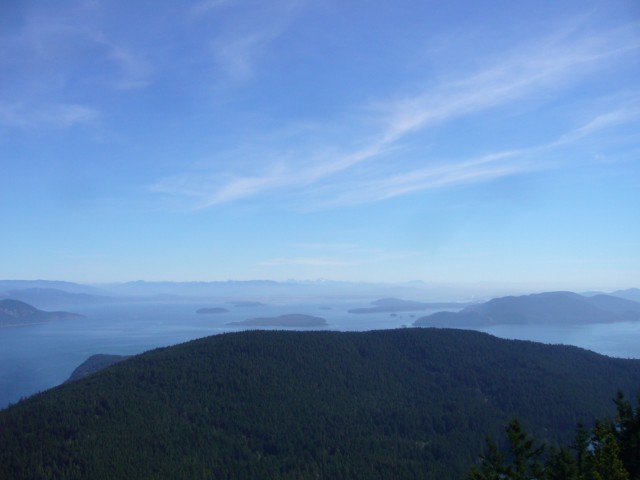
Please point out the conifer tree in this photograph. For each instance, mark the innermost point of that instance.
(605, 462)
(525, 455)
(491, 464)
(627, 433)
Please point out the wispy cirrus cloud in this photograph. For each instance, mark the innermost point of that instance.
(206, 189)
(54, 48)
(523, 72)
(238, 44)
(53, 64)
(526, 73)
(489, 167)
(55, 116)
(627, 112)
(205, 7)
(485, 168)
(133, 72)
(237, 55)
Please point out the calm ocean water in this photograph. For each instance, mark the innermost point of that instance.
(37, 357)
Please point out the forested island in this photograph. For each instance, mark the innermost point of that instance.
(408, 403)
(14, 313)
(559, 308)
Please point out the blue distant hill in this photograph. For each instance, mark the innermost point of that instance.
(628, 294)
(565, 308)
(69, 287)
(16, 313)
(52, 297)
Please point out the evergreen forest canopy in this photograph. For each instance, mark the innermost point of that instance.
(610, 450)
(409, 403)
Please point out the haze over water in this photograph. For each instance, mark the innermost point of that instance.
(37, 357)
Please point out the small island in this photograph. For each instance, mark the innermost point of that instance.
(290, 320)
(211, 310)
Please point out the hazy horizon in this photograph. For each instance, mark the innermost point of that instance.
(305, 289)
(491, 143)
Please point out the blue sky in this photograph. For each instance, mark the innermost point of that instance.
(449, 142)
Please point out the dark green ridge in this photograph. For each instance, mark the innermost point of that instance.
(410, 403)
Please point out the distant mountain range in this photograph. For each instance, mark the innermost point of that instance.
(629, 294)
(16, 313)
(52, 297)
(69, 287)
(564, 308)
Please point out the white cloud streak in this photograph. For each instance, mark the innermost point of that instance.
(482, 169)
(237, 46)
(485, 168)
(58, 116)
(205, 7)
(547, 66)
(628, 113)
(237, 55)
(49, 69)
(134, 73)
(526, 71)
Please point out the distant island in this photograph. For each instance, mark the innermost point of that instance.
(52, 297)
(14, 313)
(628, 294)
(94, 364)
(290, 320)
(550, 308)
(396, 305)
(211, 310)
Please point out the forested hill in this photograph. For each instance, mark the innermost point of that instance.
(15, 313)
(560, 308)
(410, 403)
